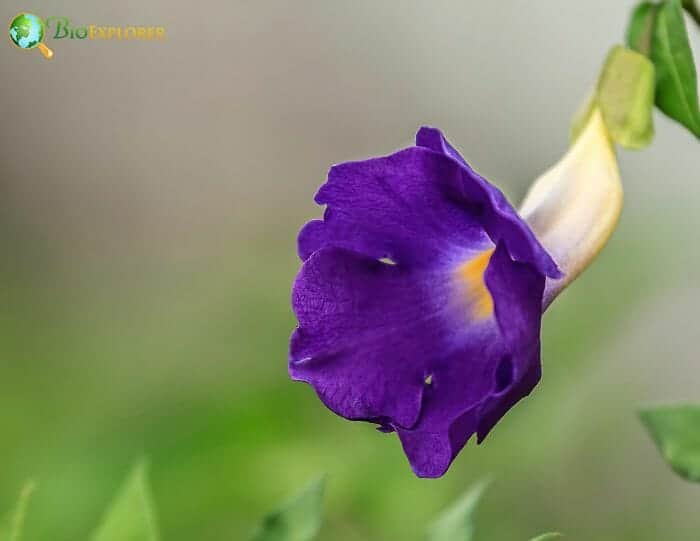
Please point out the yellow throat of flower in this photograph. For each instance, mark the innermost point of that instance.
(471, 276)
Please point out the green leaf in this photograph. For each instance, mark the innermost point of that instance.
(131, 515)
(625, 96)
(640, 29)
(11, 527)
(676, 432)
(297, 520)
(457, 522)
(548, 537)
(676, 79)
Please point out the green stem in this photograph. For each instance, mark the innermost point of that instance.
(691, 7)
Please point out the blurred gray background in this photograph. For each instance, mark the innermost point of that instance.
(150, 198)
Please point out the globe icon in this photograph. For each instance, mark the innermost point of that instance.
(27, 32)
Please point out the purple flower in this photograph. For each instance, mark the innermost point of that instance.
(420, 298)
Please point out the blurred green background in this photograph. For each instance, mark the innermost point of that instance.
(150, 199)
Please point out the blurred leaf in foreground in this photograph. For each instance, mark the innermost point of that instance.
(676, 78)
(676, 432)
(624, 94)
(457, 522)
(12, 525)
(297, 520)
(548, 537)
(131, 515)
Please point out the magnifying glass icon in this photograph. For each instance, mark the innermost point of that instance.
(27, 32)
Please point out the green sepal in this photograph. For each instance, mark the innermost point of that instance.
(624, 94)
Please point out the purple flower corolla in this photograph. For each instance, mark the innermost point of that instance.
(421, 292)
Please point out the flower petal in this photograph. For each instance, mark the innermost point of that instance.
(517, 291)
(573, 208)
(411, 205)
(404, 207)
(499, 218)
(496, 365)
(365, 334)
